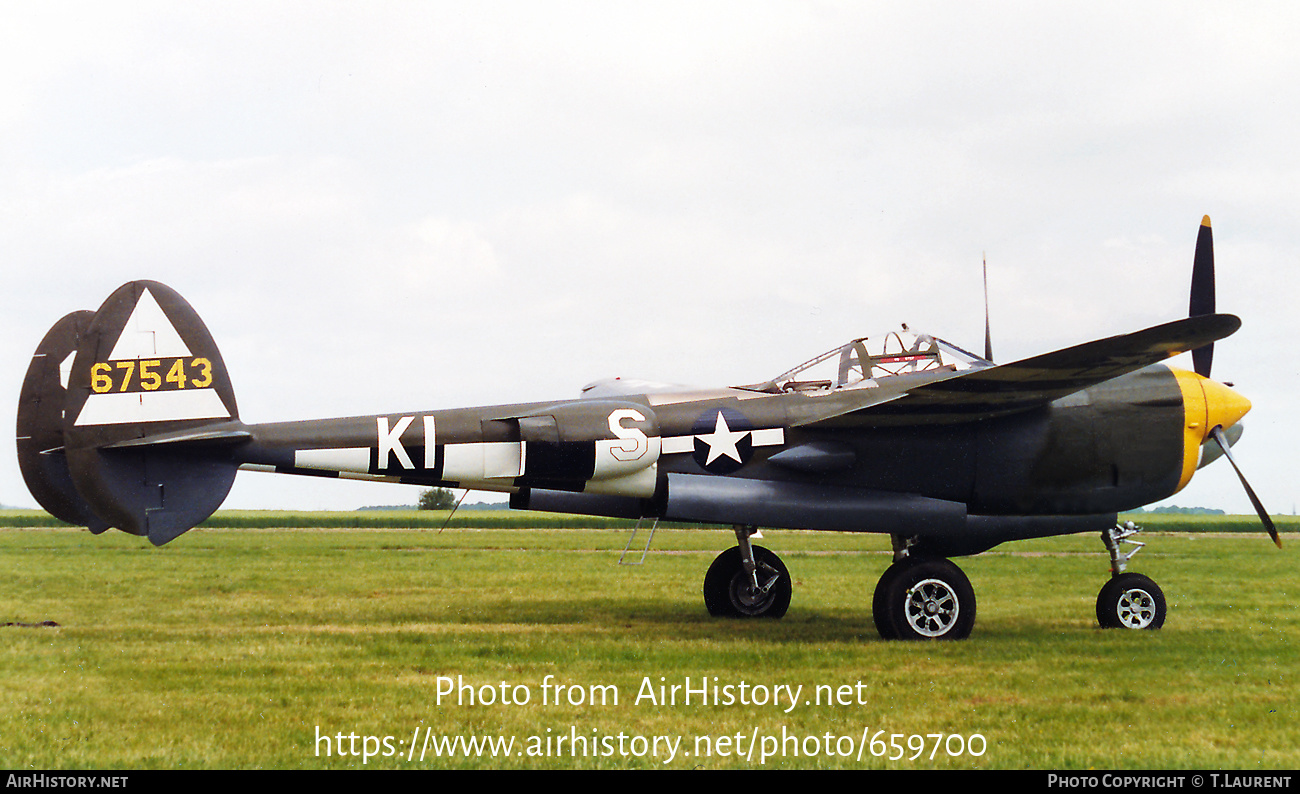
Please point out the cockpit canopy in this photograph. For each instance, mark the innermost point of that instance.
(861, 363)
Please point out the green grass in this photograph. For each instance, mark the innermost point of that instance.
(368, 519)
(232, 648)
(512, 519)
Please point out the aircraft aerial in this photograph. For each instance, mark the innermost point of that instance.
(127, 419)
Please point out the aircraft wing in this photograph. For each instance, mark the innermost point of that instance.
(1026, 384)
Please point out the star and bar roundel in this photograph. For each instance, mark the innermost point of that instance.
(723, 439)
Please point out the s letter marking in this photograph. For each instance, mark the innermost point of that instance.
(635, 444)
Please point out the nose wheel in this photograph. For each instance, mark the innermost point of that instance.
(1128, 600)
(1131, 601)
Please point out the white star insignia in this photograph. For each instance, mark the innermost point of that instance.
(722, 441)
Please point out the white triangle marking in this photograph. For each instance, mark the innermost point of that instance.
(149, 334)
(120, 408)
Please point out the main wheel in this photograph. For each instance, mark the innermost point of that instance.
(925, 600)
(1131, 601)
(729, 592)
(879, 600)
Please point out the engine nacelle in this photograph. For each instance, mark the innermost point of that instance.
(597, 446)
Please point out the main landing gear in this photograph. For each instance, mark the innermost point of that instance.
(917, 598)
(747, 581)
(1128, 600)
(921, 598)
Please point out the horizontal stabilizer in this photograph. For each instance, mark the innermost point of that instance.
(230, 433)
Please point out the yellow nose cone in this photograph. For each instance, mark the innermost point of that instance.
(1223, 406)
(1206, 404)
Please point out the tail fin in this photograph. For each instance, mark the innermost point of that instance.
(145, 421)
(41, 450)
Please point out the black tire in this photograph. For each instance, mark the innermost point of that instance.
(924, 600)
(1131, 601)
(879, 600)
(728, 591)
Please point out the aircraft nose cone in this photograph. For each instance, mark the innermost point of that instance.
(1223, 406)
(1207, 404)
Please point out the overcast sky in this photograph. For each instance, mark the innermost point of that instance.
(403, 206)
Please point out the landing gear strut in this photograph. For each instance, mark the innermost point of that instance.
(1128, 600)
(747, 581)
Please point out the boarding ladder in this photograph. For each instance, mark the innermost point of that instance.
(622, 560)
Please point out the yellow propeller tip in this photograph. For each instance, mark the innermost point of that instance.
(1205, 221)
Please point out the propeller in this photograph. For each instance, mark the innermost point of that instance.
(1217, 435)
(1202, 302)
(1203, 292)
(988, 335)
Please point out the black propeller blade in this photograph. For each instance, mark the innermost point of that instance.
(1203, 292)
(988, 335)
(1217, 435)
(1202, 302)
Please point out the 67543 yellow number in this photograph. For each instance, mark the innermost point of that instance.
(148, 375)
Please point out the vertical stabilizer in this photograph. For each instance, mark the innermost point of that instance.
(42, 457)
(146, 366)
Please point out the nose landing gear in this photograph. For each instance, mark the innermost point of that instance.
(1128, 600)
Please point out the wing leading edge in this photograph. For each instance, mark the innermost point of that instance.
(1030, 382)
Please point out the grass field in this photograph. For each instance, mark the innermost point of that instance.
(244, 648)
